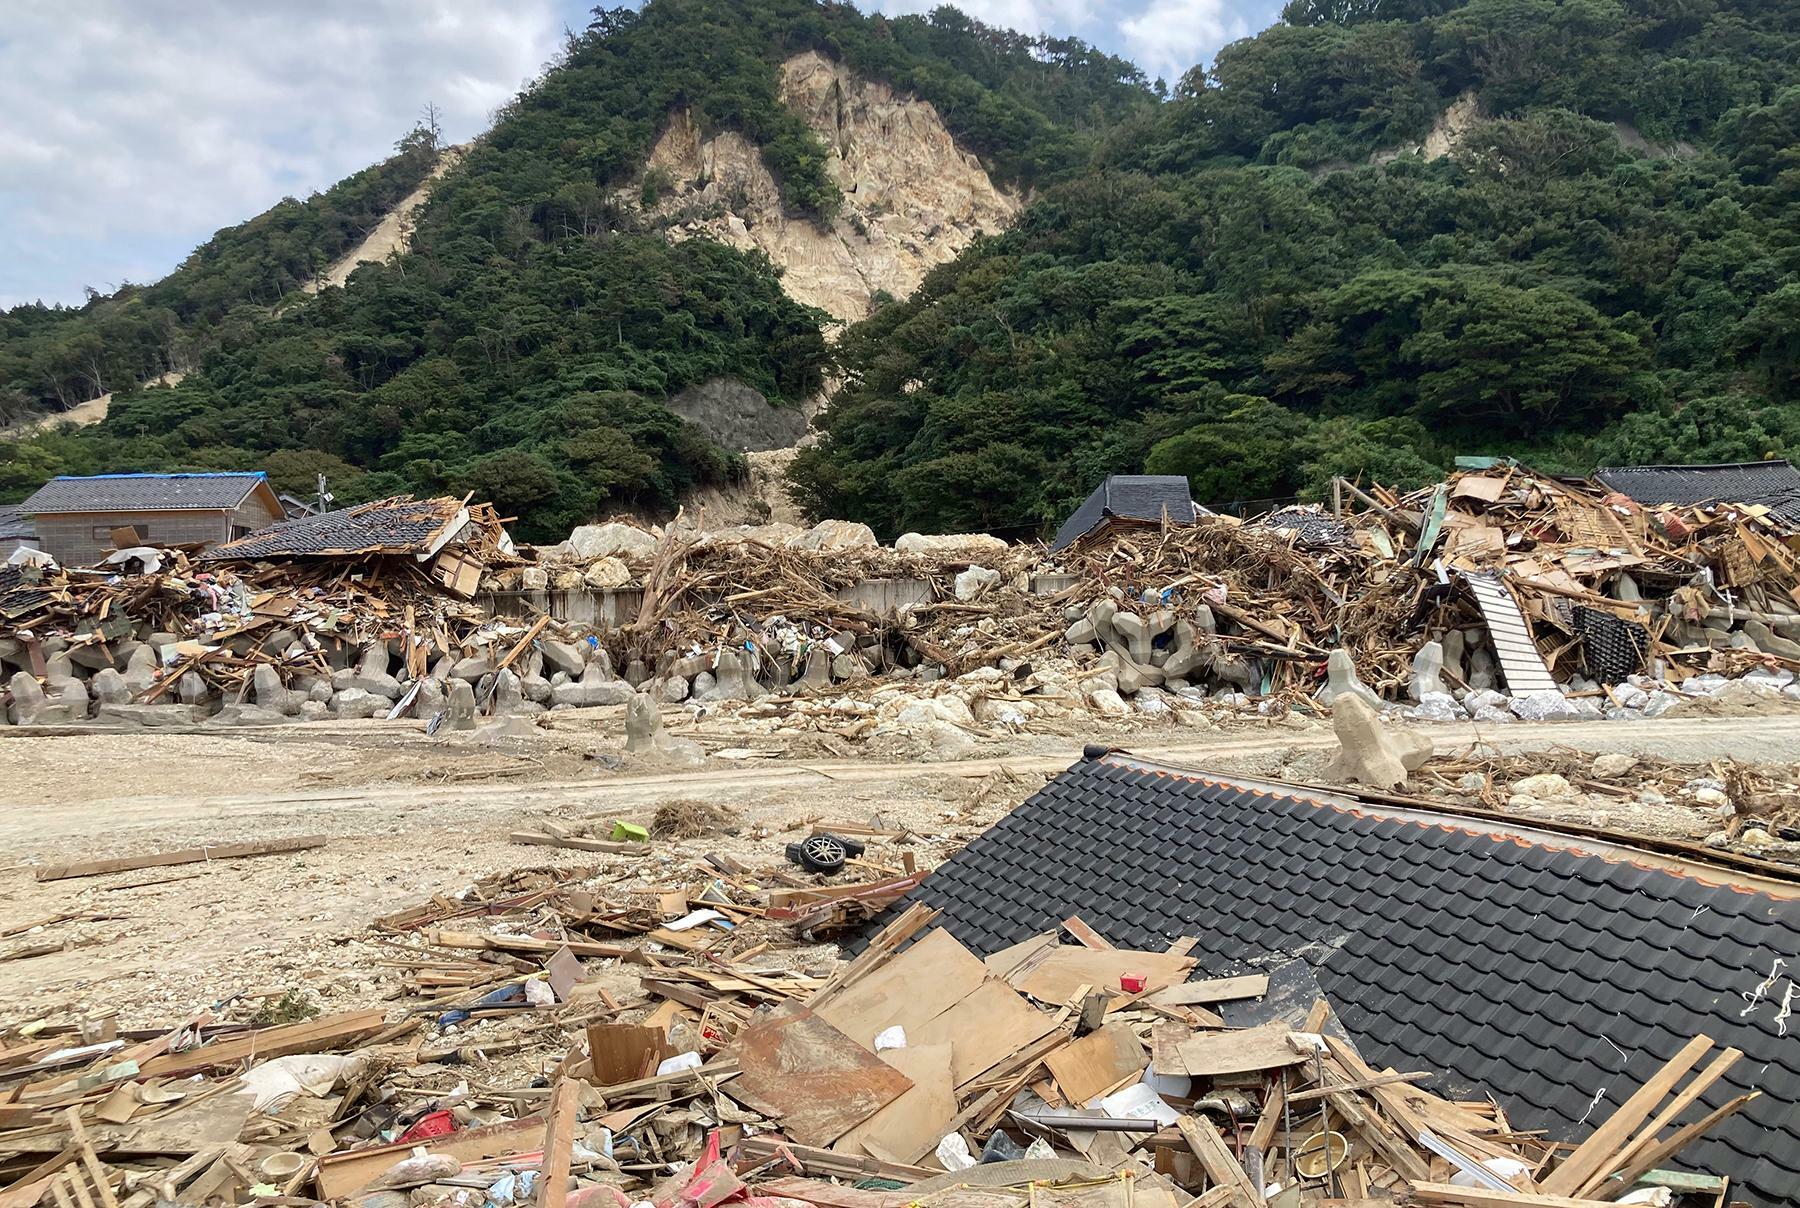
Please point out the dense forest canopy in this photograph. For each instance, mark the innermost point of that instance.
(1263, 277)
(522, 348)
(1252, 288)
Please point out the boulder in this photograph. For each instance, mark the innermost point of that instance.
(972, 545)
(358, 703)
(430, 700)
(536, 689)
(459, 706)
(1611, 767)
(508, 694)
(191, 689)
(613, 540)
(829, 536)
(817, 674)
(271, 693)
(605, 574)
(140, 670)
(1546, 786)
(1108, 702)
(31, 707)
(975, 582)
(566, 657)
(370, 674)
(471, 669)
(1368, 753)
(314, 710)
(672, 688)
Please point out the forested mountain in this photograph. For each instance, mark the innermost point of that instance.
(522, 348)
(1250, 288)
(1373, 237)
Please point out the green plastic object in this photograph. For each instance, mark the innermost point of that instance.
(629, 832)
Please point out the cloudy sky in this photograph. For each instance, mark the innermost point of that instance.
(130, 130)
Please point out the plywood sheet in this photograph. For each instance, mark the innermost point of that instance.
(1056, 975)
(816, 1081)
(1261, 1048)
(912, 989)
(1097, 1062)
(918, 1118)
(988, 1026)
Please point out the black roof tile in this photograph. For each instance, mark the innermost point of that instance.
(1518, 965)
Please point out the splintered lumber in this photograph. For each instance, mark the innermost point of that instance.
(576, 843)
(311, 1036)
(1649, 1159)
(190, 855)
(559, 1138)
(886, 942)
(1599, 1151)
(340, 1174)
(1221, 1165)
(1480, 1197)
(1700, 1084)
(1264, 1047)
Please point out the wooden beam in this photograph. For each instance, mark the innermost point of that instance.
(190, 855)
(1598, 1152)
(559, 1137)
(576, 843)
(1480, 1197)
(1662, 1151)
(1694, 1089)
(1215, 1157)
(1270, 1119)
(312, 1036)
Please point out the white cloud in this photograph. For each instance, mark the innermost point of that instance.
(1169, 36)
(130, 130)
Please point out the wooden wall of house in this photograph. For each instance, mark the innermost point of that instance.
(253, 516)
(83, 538)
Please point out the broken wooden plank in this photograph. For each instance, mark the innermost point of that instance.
(576, 843)
(1221, 1165)
(1219, 989)
(311, 1036)
(1095, 1063)
(190, 855)
(1480, 1197)
(1264, 1047)
(559, 1139)
(1603, 1144)
(1088, 937)
(1696, 1087)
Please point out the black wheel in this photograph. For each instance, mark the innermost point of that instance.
(823, 854)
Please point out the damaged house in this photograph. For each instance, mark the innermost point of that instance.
(1558, 970)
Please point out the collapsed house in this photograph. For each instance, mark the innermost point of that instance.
(1556, 971)
(1128, 499)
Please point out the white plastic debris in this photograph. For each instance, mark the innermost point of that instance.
(890, 1038)
(679, 1062)
(953, 1153)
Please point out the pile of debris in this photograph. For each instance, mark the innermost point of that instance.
(679, 1049)
(355, 613)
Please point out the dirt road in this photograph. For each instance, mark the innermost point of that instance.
(409, 817)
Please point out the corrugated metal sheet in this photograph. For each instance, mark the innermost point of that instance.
(1520, 661)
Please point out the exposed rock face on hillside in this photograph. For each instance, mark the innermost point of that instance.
(912, 198)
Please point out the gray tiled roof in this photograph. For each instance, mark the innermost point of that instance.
(1775, 484)
(1540, 967)
(14, 523)
(393, 526)
(1141, 497)
(142, 492)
